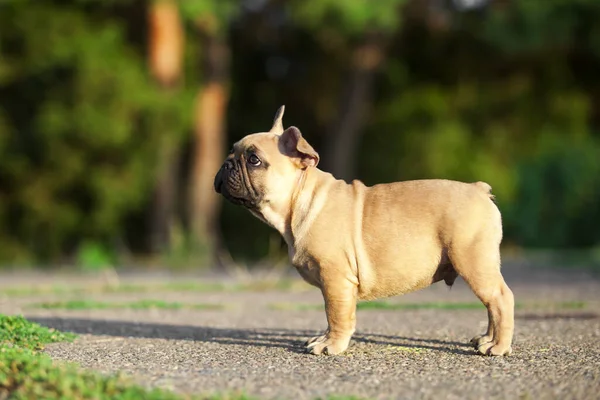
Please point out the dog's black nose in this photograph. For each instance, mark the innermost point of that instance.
(228, 165)
(218, 181)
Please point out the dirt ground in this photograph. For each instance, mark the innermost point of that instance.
(254, 344)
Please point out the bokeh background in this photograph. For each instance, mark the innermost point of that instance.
(115, 116)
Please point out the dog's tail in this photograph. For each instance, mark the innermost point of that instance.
(486, 188)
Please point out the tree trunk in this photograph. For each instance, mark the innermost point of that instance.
(166, 37)
(209, 147)
(164, 199)
(343, 139)
(165, 58)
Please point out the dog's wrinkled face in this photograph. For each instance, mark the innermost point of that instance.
(244, 176)
(262, 168)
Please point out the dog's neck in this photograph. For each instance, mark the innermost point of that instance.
(275, 211)
(306, 203)
(293, 218)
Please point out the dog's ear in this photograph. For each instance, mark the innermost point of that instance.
(277, 127)
(292, 144)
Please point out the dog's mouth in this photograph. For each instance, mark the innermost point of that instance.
(239, 201)
(230, 183)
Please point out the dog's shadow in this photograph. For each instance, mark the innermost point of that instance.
(291, 340)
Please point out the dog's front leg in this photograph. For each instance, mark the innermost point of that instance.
(340, 305)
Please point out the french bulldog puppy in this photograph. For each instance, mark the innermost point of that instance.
(357, 242)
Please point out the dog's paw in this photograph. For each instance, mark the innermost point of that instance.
(316, 339)
(480, 340)
(492, 349)
(327, 346)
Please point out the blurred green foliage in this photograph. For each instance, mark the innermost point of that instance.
(507, 94)
(80, 126)
(93, 256)
(17, 331)
(349, 18)
(213, 15)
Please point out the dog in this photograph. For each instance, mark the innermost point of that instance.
(357, 242)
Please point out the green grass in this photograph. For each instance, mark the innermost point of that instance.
(564, 305)
(134, 305)
(19, 332)
(383, 305)
(386, 305)
(296, 307)
(25, 373)
(105, 288)
(199, 287)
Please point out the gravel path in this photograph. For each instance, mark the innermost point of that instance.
(253, 347)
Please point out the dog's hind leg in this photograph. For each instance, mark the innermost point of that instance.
(479, 265)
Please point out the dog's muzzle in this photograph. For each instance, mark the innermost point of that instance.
(230, 183)
(219, 178)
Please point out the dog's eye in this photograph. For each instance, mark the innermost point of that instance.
(254, 160)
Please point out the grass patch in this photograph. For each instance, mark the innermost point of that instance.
(25, 373)
(19, 332)
(198, 287)
(134, 305)
(296, 307)
(563, 305)
(385, 305)
(123, 288)
(573, 305)
(382, 305)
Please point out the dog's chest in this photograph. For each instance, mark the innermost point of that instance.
(306, 266)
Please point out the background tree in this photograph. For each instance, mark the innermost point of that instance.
(212, 19)
(505, 92)
(359, 33)
(166, 43)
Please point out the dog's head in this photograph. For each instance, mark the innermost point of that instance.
(263, 168)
